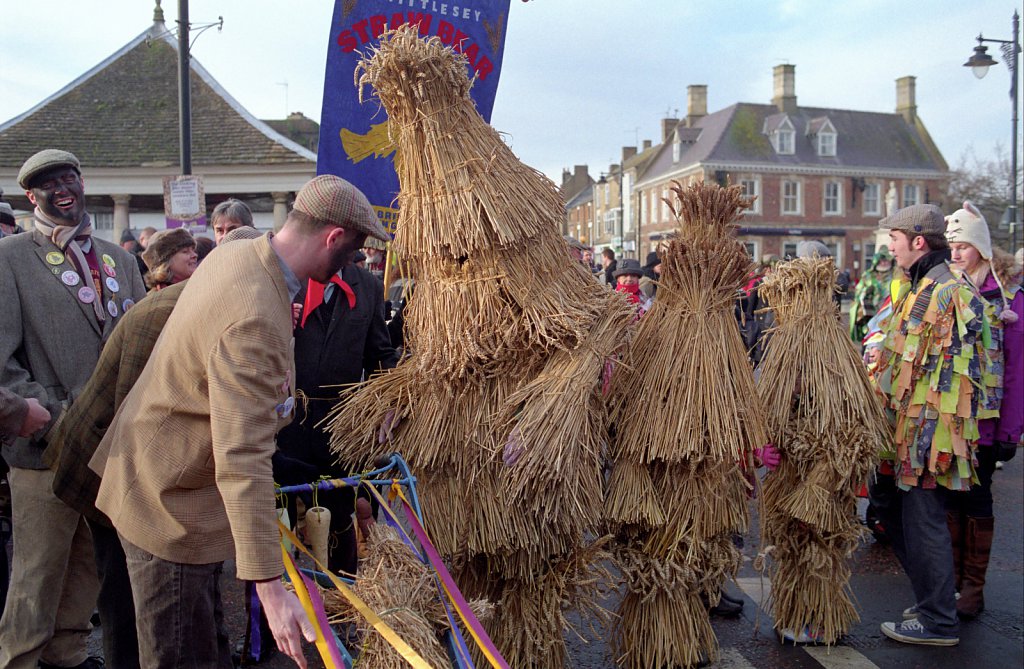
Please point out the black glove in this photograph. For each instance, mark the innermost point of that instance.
(291, 471)
(1005, 450)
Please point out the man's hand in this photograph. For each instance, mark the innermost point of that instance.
(296, 314)
(287, 620)
(36, 418)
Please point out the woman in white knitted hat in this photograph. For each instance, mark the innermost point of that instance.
(1001, 414)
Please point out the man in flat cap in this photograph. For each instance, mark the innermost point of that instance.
(929, 373)
(186, 469)
(61, 293)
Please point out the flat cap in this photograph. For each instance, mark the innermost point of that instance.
(332, 199)
(917, 219)
(244, 232)
(6, 209)
(45, 160)
(165, 243)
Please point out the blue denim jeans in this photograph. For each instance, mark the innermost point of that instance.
(178, 612)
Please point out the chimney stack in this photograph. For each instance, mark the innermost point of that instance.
(647, 144)
(627, 153)
(906, 99)
(785, 88)
(667, 126)
(696, 104)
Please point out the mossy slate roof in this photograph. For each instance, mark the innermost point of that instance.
(124, 113)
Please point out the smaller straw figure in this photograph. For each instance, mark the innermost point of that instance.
(687, 419)
(828, 425)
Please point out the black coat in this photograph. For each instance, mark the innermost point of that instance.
(337, 345)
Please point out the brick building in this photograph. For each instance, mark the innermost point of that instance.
(817, 173)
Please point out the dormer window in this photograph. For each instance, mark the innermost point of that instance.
(823, 133)
(782, 134)
(827, 144)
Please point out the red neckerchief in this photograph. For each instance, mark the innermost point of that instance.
(632, 292)
(315, 296)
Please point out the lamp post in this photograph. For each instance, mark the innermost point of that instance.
(979, 62)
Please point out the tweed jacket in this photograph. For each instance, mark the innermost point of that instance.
(13, 410)
(186, 463)
(50, 340)
(85, 422)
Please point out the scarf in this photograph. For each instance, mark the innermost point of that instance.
(315, 296)
(632, 292)
(78, 240)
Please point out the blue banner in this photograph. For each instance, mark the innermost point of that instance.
(354, 137)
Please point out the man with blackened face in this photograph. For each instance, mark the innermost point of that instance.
(62, 291)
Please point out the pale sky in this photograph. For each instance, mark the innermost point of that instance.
(581, 78)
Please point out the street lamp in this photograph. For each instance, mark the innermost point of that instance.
(979, 62)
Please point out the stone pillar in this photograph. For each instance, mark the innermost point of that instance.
(280, 209)
(121, 222)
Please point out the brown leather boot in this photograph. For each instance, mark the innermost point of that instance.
(977, 548)
(956, 535)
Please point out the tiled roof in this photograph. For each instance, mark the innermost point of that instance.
(124, 113)
(864, 140)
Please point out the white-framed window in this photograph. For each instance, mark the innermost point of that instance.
(676, 148)
(643, 208)
(784, 138)
(103, 220)
(752, 249)
(607, 191)
(611, 217)
(832, 203)
(752, 189)
(791, 199)
(826, 144)
(872, 200)
(664, 205)
(788, 250)
(911, 195)
(786, 141)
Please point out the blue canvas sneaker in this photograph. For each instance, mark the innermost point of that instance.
(912, 631)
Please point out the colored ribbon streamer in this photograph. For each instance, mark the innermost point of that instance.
(483, 641)
(314, 611)
(403, 648)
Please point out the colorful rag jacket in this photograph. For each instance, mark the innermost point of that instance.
(932, 366)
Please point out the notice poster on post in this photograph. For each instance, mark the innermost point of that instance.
(354, 142)
(185, 202)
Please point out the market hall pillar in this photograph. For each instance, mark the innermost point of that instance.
(280, 209)
(121, 222)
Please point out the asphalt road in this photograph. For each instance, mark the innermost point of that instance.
(995, 640)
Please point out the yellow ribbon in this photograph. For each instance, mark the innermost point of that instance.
(307, 605)
(404, 649)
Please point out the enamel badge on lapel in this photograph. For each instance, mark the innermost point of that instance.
(55, 258)
(86, 294)
(70, 278)
(109, 271)
(127, 304)
(108, 261)
(112, 309)
(112, 284)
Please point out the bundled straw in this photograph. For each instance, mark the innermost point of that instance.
(498, 408)
(828, 425)
(687, 419)
(400, 589)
